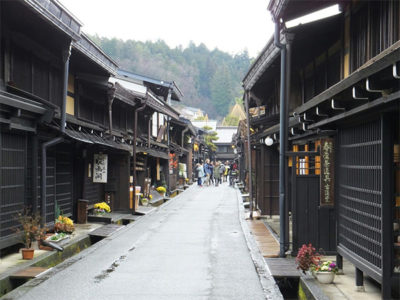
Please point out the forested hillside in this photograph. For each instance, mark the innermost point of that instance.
(209, 79)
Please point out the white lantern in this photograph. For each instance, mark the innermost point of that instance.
(268, 141)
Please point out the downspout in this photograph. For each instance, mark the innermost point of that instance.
(288, 39)
(246, 99)
(183, 135)
(282, 141)
(57, 140)
(168, 100)
(110, 100)
(137, 110)
(148, 132)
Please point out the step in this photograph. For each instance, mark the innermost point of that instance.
(144, 210)
(29, 273)
(106, 230)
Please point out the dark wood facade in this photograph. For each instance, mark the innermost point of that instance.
(41, 51)
(343, 98)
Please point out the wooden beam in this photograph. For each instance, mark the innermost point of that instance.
(380, 62)
(361, 108)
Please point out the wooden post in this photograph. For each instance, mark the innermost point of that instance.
(158, 168)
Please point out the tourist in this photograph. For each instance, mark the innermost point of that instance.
(207, 172)
(199, 174)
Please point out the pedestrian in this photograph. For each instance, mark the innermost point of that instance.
(217, 174)
(227, 167)
(212, 166)
(199, 174)
(207, 172)
(221, 171)
(232, 174)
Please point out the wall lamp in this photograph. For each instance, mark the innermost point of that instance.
(268, 141)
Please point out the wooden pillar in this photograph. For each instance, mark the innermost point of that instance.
(158, 169)
(359, 280)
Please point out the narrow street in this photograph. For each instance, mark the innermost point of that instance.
(193, 247)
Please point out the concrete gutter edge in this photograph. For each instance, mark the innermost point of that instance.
(311, 289)
(26, 287)
(270, 288)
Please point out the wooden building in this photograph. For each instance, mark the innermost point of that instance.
(342, 86)
(34, 53)
(73, 126)
(181, 152)
(153, 162)
(224, 150)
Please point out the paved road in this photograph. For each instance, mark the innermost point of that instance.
(191, 248)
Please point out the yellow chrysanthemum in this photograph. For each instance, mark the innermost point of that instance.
(103, 206)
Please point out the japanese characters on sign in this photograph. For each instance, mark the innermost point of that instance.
(100, 168)
(327, 172)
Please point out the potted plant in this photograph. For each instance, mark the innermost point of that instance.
(325, 271)
(64, 224)
(162, 190)
(101, 208)
(30, 231)
(307, 257)
(144, 201)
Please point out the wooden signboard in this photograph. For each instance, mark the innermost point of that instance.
(327, 172)
(100, 168)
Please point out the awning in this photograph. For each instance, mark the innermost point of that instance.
(178, 149)
(152, 152)
(160, 106)
(22, 103)
(94, 138)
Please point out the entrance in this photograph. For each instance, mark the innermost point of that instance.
(313, 220)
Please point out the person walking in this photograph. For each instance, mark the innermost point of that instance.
(227, 167)
(212, 172)
(207, 172)
(217, 174)
(199, 174)
(221, 171)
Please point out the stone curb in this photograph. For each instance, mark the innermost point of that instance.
(270, 288)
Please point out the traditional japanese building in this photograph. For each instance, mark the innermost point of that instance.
(34, 57)
(153, 163)
(341, 80)
(73, 126)
(224, 150)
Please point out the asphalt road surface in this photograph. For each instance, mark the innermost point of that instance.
(191, 248)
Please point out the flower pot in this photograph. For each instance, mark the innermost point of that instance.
(27, 253)
(325, 277)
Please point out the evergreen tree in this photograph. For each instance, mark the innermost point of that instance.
(210, 80)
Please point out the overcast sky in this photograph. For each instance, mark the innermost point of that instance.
(229, 25)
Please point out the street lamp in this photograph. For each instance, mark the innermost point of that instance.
(268, 141)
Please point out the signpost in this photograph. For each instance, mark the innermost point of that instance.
(327, 172)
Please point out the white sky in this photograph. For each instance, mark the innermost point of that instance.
(229, 25)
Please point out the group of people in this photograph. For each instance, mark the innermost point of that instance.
(213, 173)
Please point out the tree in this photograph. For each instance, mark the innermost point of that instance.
(210, 137)
(231, 121)
(209, 79)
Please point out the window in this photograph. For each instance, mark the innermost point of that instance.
(71, 95)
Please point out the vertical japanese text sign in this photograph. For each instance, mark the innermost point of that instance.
(100, 168)
(327, 172)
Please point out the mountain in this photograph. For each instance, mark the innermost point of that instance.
(209, 79)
